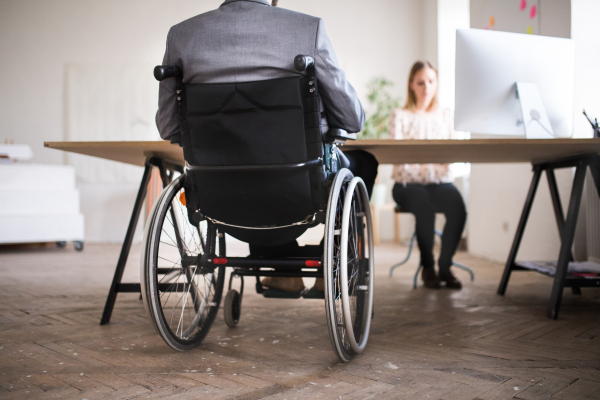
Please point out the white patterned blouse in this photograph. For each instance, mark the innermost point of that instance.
(438, 124)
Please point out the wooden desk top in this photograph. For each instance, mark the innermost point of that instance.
(386, 151)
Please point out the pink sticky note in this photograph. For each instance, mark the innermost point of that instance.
(533, 12)
(523, 5)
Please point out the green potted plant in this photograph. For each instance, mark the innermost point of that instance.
(380, 105)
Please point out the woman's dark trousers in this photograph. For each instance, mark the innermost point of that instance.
(424, 201)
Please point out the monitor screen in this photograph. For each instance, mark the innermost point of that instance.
(488, 66)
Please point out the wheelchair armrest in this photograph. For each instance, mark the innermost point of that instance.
(336, 135)
(162, 72)
(176, 139)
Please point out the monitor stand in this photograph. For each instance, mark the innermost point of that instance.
(535, 119)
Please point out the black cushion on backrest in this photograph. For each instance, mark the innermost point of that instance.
(250, 123)
(246, 123)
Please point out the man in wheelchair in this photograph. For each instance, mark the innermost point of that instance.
(254, 95)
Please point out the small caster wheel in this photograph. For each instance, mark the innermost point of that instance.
(61, 245)
(232, 308)
(78, 245)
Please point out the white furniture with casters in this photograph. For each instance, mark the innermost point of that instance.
(39, 203)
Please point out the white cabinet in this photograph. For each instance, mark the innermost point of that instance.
(39, 203)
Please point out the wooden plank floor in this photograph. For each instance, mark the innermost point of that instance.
(469, 344)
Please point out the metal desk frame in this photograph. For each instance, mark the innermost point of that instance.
(166, 169)
(566, 228)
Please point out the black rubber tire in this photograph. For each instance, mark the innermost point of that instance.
(232, 308)
(360, 287)
(78, 245)
(201, 292)
(333, 310)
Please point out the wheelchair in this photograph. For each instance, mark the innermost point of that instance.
(259, 166)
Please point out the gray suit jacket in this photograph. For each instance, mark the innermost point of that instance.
(248, 40)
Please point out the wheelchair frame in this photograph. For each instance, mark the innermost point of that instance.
(346, 265)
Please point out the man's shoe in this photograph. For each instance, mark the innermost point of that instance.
(294, 285)
(450, 280)
(430, 279)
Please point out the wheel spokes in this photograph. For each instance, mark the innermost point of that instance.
(190, 294)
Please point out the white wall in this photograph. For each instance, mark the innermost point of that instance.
(42, 40)
(375, 38)
(452, 15)
(498, 192)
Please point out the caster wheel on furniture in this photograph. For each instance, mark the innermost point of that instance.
(61, 244)
(78, 245)
(232, 308)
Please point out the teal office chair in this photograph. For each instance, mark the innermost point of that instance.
(398, 210)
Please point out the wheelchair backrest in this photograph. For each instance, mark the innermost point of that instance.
(250, 123)
(249, 147)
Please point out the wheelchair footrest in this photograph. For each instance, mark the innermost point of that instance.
(314, 294)
(282, 294)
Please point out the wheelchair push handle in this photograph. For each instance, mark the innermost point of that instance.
(302, 63)
(162, 72)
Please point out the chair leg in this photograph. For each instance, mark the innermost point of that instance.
(417, 276)
(410, 247)
(397, 232)
(375, 221)
(464, 268)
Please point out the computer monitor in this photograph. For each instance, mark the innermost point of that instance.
(514, 84)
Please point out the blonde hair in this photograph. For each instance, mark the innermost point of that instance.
(411, 98)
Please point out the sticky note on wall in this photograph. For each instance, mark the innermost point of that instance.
(523, 5)
(533, 12)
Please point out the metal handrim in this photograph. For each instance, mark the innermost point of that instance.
(348, 207)
(333, 305)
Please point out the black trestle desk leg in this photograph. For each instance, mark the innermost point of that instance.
(595, 169)
(164, 177)
(139, 200)
(558, 213)
(567, 237)
(166, 181)
(537, 173)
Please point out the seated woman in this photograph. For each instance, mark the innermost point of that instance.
(424, 189)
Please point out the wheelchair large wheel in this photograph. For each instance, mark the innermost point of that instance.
(181, 299)
(348, 265)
